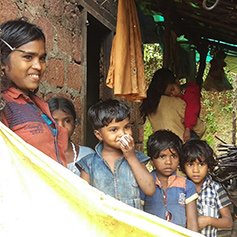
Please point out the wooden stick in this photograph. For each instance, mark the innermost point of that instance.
(234, 112)
(220, 139)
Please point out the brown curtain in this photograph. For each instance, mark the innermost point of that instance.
(126, 72)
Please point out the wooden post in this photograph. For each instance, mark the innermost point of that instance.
(203, 50)
(234, 112)
(2, 104)
(166, 52)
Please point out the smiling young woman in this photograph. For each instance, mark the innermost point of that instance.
(23, 64)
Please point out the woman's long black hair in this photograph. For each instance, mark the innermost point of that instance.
(160, 80)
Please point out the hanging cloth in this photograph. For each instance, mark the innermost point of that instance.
(216, 79)
(126, 72)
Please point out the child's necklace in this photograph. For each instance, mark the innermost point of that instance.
(75, 157)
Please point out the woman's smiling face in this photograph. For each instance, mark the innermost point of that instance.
(26, 66)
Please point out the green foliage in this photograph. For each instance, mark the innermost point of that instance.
(147, 133)
(209, 140)
(153, 60)
(228, 108)
(217, 113)
(210, 120)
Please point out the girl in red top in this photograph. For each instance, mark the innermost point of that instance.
(23, 64)
(165, 83)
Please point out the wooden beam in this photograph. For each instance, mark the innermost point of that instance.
(106, 18)
(221, 2)
(167, 20)
(205, 32)
(214, 15)
(83, 27)
(215, 36)
(194, 33)
(234, 112)
(206, 20)
(203, 50)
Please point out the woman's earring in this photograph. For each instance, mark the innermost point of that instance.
(2, 70)
(2, 104)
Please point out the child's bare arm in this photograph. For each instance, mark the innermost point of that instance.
(85, 176)
(187, 134)
(225, 221)
(192, 218)
(144, 179)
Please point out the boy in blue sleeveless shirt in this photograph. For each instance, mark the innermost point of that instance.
(116, 168)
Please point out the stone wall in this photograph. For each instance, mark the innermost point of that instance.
(64, 24)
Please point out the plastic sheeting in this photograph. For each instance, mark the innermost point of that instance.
(39, 197)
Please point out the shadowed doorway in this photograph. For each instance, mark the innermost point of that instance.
(99, 41)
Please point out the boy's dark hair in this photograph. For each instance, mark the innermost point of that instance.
(63, 104)
(160, 80)
(197, 149)
(162, 140)
(102, 113)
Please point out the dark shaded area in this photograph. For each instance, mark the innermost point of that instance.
(96, 34)
(215, 26)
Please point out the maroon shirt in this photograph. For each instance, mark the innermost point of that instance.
(192, 98)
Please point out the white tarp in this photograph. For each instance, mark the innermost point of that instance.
(39, 197)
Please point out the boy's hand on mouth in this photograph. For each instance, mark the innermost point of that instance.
(124, 141)
(127, 145)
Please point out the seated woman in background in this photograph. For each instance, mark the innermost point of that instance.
(170, 115)
(23, 54)
(64, 113)
(166, 108)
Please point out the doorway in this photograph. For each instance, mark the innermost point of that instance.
(98, 41)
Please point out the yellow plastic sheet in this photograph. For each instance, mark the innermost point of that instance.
(39, 197)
